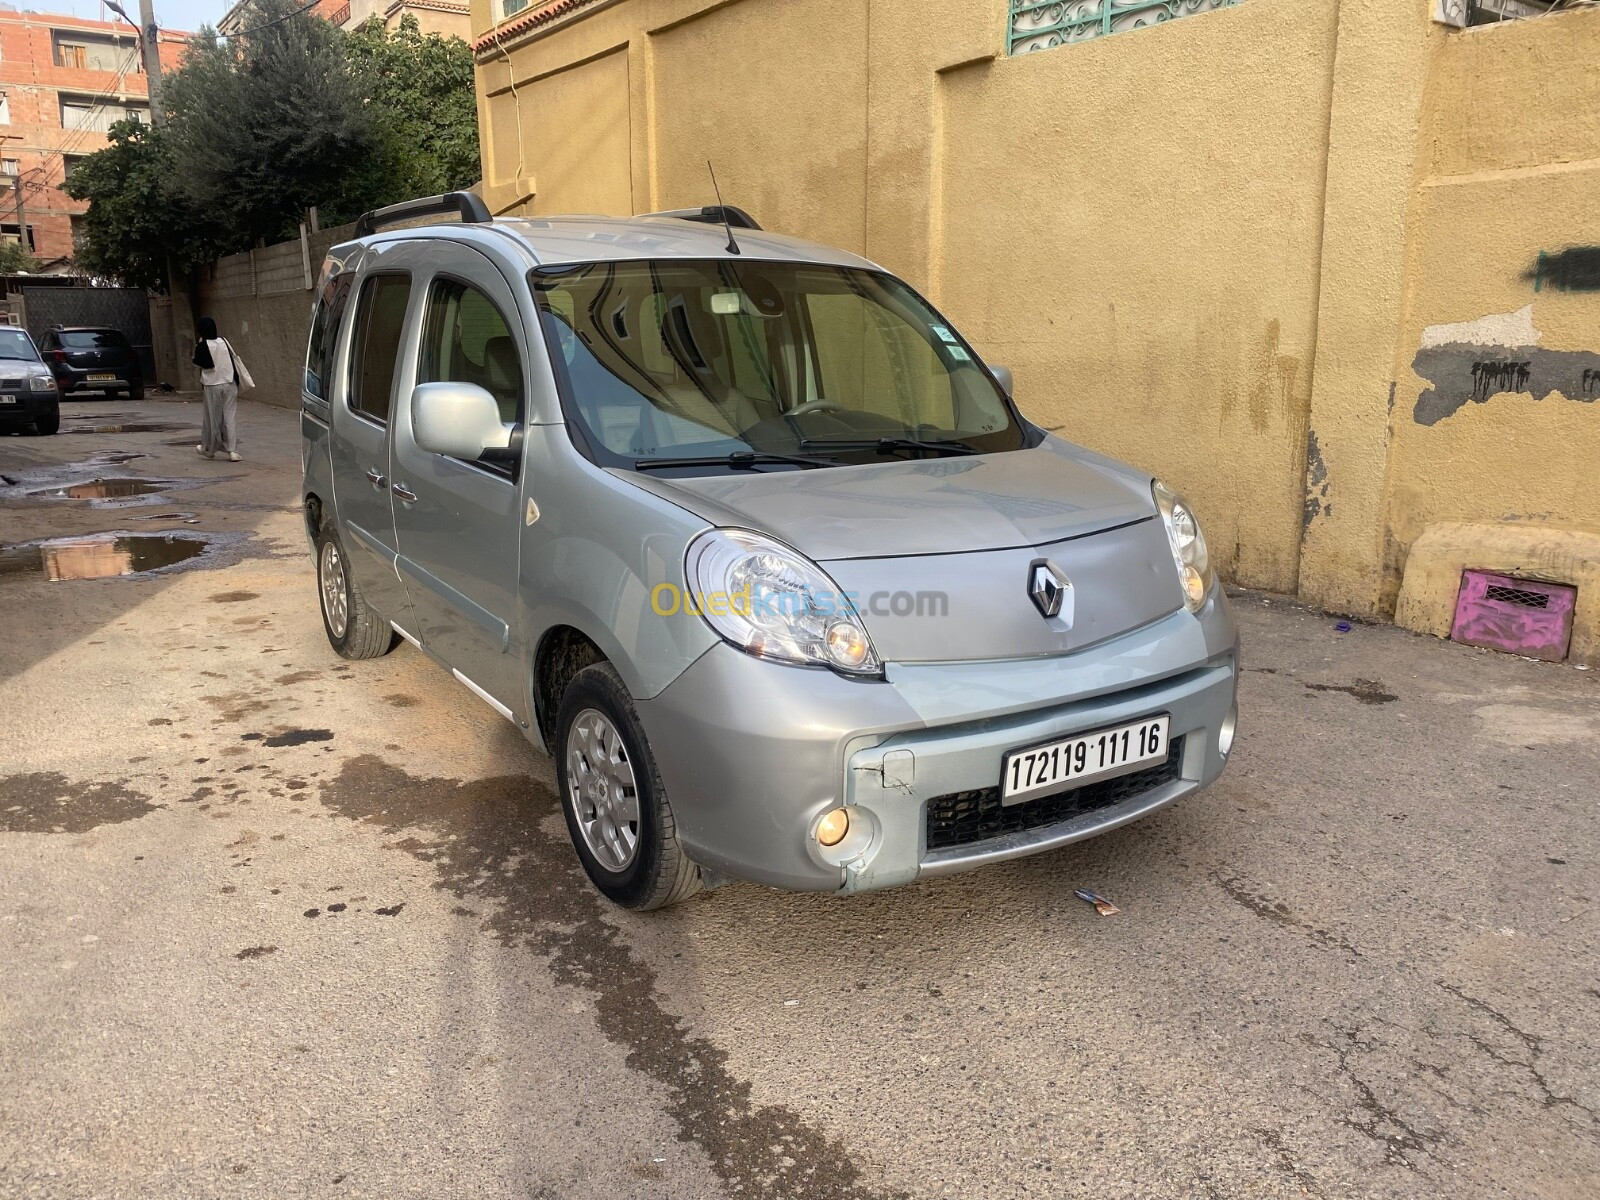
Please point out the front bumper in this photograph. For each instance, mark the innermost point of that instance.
(753, 753)
(26, 406)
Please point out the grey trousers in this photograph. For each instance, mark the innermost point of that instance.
(219, 424)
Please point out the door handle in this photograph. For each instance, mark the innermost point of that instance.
(376, 478)
(404, 493)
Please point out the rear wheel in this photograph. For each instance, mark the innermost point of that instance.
(355, 629)
(617, 811)
(136, 392)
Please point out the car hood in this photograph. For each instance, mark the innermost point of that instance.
(900, 508)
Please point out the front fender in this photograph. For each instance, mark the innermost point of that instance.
(594, 550)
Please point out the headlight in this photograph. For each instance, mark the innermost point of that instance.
(43, 383)
(773, 602)
(1188, 545)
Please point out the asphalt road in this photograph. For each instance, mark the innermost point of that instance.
(273, 924)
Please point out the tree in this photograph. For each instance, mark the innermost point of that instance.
(268, 123)
(15, 260)
(291, 113)
(419, 88)
(136, 220)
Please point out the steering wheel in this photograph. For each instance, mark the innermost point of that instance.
(811, 406)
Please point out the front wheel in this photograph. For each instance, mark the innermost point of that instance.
(48, 423)
(617, 811)
(355, 629)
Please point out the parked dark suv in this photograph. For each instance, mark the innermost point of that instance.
(28, 394)
(93, 358)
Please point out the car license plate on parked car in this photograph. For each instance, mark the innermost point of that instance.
(102, 378)
(1074, 761)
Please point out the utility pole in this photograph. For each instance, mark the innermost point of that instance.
(150, 36)
(150, 46)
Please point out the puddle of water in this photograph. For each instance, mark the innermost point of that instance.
(101, 555)
(140, 427)
(107, 489)
(186, 518)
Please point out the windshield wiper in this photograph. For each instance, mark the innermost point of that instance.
(739, 460)
(888, 445)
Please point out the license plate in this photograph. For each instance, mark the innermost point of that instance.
(1074, 761)
(8, 399)
(102, 378)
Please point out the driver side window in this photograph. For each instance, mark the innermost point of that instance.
(467, 340)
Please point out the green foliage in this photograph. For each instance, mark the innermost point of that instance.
(136, 219)
(420, 90)
(14, 259)
(262, 126)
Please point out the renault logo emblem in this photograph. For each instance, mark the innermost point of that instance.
(1051, 589)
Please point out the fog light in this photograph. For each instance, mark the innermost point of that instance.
(832, 828)
(1194, 586)
(1225, 733)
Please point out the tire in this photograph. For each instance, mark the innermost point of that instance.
(49, 423)
(136, 392)
(355, 629)
(657, 872)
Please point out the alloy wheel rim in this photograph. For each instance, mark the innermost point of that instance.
(603, 789)
(335, 606)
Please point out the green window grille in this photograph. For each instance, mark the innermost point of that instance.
(1041, 24)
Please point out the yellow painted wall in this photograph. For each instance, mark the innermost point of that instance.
(1140, 245)
(1510, 167)
(1208, 247)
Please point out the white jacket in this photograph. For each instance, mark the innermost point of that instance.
(221, 371)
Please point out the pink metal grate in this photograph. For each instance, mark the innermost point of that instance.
(1519, 616)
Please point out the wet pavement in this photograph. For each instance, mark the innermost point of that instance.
(274, 924)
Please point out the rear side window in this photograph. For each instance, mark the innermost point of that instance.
(325, 321)
(379, 319)
(93, 339)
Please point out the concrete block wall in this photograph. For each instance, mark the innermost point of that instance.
(261, 302)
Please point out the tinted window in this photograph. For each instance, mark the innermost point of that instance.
(15, 344)
(377, 345)
(325, 322)
(468, 341)
(92, 339)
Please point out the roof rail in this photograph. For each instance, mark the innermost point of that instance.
(472, 210)
(711, 214)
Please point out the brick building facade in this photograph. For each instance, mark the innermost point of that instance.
(63, 81)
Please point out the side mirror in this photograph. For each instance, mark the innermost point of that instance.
(458, 419)
(1002, 376)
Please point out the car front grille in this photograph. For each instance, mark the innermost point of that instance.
(963, 818)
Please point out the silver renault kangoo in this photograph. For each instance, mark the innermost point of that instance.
(746, 536)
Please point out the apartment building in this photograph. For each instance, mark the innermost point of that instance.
(63, 82)
(448, 18)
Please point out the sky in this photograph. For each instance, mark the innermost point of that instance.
(186, 15)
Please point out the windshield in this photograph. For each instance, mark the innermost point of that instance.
(14, 344)
(686, 359)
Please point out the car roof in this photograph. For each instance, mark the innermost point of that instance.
(84, 329)
(564, 241)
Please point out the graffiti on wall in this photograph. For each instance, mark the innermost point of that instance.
(1460, 373)
(1575, 269)
(1471, 362)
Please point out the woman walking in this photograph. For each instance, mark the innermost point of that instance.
(221, 373)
